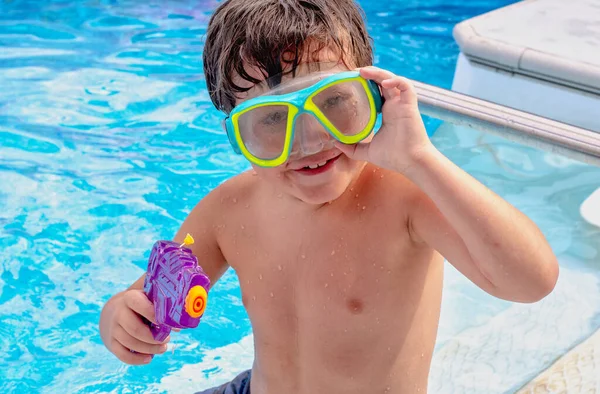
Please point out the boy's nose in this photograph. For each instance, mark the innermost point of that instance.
(310, 136)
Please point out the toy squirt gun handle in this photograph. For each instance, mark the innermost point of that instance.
(177, 286)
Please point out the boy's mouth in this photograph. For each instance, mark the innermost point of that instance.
(320, 166)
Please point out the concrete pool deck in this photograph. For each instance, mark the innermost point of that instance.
(578, 371)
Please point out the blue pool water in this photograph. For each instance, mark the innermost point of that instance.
(107, 141)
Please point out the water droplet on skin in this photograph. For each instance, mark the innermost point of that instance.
(280, 195)
(351, 189)
(332, 252)
(279, 267)
(303, 257)
(332, 274)
(326, 285)
(345, 273)
(243, 227)
(260, 276)
(272, 295)
(345, 330)
(356, 196)
(253, 298)
(247, 206)
(389, 349)
(364, 207)
(381, 176)
(235, 200)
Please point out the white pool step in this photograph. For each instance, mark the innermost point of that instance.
(539, 56)
(590, 209)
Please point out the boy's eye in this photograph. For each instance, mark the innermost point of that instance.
(274, 118)
(335, 100)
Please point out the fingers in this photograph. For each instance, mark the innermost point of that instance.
(128, 357)
(137, 301)
(376, 74)
(135, 327)
(131, 343)
(392, 86)
(356, 151)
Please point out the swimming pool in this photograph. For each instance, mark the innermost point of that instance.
(108, 139)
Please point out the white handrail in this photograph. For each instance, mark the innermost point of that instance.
(528, 129)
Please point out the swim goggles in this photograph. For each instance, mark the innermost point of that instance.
(263, 128)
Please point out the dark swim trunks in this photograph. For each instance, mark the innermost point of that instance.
(239, 385)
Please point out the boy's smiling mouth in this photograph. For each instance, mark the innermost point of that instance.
(316, 164)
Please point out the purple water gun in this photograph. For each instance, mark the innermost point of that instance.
(177, 286)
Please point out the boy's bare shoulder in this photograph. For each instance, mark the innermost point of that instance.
(393, 188)
(223, 199)
(221, 205)
(236, 188)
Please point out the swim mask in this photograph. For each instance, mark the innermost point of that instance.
(344, 105)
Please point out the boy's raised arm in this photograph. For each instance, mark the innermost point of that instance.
(483, 236)
(487, 239)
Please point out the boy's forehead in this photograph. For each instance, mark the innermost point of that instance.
(325, 61)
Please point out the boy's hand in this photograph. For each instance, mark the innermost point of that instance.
(124, 332)
(402, 136)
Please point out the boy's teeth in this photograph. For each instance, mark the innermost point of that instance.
(313, 166)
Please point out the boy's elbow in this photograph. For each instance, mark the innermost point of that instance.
(546, 281)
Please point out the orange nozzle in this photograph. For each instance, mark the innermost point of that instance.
(195, 301)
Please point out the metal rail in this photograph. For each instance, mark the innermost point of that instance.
(525, 128)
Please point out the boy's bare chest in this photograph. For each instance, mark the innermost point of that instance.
(310, 269)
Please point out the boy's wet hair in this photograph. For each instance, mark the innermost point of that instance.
(273, 36)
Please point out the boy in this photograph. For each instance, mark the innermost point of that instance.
(338, 246)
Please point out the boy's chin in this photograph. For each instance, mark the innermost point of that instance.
(324, 193)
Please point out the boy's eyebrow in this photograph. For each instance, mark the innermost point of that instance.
(294, 84)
